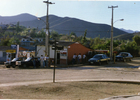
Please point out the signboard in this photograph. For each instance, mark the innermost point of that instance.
(13, 46)
(11, 51)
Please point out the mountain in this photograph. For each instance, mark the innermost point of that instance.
(64, 25)
(67, 25)
(126, 36)
(20, 18)
(129, 31)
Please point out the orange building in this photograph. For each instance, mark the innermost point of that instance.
(76, 48)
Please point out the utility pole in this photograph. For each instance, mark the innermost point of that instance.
(111, 43)
(47, 51)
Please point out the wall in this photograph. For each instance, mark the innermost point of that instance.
(76, 48)
(1, 53)
(40, 51)
(63, 56)
(2, 57)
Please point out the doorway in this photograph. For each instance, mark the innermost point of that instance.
(58, 58)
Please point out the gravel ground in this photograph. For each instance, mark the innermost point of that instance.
(71, 90)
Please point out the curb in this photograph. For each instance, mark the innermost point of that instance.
(77, 80)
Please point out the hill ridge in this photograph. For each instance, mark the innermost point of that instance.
(66, 25)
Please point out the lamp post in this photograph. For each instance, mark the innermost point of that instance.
(47, 51)
(111, 43)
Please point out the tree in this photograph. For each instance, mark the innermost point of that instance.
(14, 40)
(84, 40)
(54, 35)
(17, 27)
(5, 41)
(130, 47)
(33, 33)
(72, 33)
(136, 38)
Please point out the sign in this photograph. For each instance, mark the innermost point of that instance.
(13, 46)
(11, 51)
(46, 32)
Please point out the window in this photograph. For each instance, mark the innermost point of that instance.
(64, 55)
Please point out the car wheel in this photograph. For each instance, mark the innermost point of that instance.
(124, 60)
(24, 66)
(89, 63)
(13, 66)
(130, 59)
(107, 62)
(7, 66)
(100, 63)
(117, 59)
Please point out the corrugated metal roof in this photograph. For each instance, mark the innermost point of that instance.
(62, 43)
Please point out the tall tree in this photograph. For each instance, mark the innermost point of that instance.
(136, 38)
(84, 40)
(17, 27)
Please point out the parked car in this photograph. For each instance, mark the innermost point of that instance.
(28, 62)
(124, 56)
(12, 63)
(99, 58)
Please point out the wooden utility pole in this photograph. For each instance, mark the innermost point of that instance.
(111, 43)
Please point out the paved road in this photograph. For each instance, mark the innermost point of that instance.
(112, 72)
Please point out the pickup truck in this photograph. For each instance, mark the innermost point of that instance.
(12, 63)
(28, 63)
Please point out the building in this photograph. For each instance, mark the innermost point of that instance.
(7, 53)
(64, 56)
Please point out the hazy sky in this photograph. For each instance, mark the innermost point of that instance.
(93, 11)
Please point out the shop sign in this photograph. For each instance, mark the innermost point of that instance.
(11, 51)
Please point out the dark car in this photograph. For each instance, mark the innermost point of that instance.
(124, 56)
(99, 58)
(29, 62)
(12, 63)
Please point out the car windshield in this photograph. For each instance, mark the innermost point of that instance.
(97, 56)
(14, 59)
(28, 59)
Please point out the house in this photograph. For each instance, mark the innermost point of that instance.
(7, 53)
(39, 40)
(64, 56)
(27, 42)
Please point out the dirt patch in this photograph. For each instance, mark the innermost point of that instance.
(69, 90)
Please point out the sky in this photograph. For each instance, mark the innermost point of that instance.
(94, 11)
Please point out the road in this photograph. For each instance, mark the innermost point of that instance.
(120, 71)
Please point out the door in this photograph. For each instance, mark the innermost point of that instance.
(58, 58)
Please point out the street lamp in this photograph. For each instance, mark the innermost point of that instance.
(42, 20)
(111, 43)
(119, 20)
